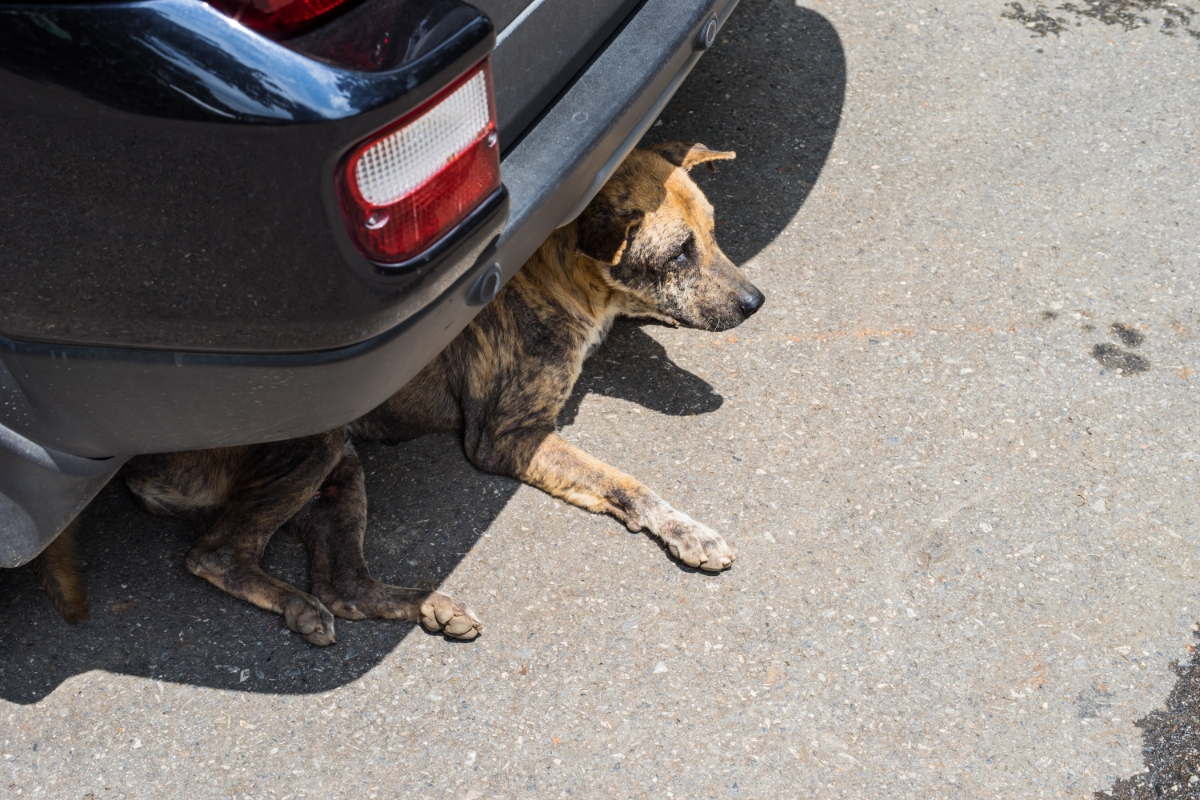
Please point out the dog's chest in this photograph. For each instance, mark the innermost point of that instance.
(594, 336)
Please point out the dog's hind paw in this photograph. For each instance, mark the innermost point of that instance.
(363, 597)
(693, 543)
(308, 617)
(440, 612)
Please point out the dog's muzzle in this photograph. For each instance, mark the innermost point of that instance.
(751, 301)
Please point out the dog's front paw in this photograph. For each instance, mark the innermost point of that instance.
(308, 617)
(693, 543)
(440, 612)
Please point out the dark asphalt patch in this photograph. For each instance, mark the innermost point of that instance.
(1128, 334)
(1038, 19)
(1119, 359)
(151, 618)
(1170, 745)
(1171, 18)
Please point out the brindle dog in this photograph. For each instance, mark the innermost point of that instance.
(644, 247)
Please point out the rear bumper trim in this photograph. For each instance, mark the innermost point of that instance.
(41, 490)
(555, 170)
(100, 402)
(643, 125)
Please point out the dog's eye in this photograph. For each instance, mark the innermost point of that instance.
(680, 256)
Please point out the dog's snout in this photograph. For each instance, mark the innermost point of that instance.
(751, 301)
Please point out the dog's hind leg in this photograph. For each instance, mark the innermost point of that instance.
(58, 571)
(331, 526)
(279, 480)
(553, 465)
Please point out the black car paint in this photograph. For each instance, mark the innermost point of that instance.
(169, 175)
(535, 61)
(62, 400)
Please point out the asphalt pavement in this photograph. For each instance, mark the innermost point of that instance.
(956, 454)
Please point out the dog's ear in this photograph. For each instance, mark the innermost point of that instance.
(603, 230)
(689, 154)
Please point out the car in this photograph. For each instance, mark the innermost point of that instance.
(240, 221)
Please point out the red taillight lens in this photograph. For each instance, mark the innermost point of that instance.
(277, 17)
(410, 183)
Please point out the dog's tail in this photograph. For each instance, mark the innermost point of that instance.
(59, 571)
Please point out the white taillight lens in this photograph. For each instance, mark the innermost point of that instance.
(412, 182)
(403, 161)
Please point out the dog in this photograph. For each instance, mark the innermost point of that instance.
(643, 247)
(58, 571)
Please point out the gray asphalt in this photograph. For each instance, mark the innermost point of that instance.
(964, 503)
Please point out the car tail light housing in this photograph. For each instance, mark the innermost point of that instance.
(277, 18)
(410, 183)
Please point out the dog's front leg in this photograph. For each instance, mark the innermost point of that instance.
(563, 470)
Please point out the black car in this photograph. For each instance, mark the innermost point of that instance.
(247, 220)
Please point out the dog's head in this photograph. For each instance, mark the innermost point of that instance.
(650, 232)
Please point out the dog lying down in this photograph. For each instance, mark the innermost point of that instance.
(643, 247)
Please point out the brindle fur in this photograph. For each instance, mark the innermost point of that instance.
(644, 247)
(312, 487)
(58, 572)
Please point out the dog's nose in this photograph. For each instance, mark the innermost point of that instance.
(751, 301)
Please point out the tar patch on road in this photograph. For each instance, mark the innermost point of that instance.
(1128, 334)
(1170, 745)
(1172, 19)
(1118, 359)
(1037, 19)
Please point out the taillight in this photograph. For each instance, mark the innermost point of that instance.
(277, 17)
(410, 183)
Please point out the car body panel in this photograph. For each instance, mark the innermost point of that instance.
(105, 403)
(195, 209)
(541, 49)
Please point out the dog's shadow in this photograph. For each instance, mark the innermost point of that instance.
(150, 617)
(634, 367)
(772, 90)
(783, 70)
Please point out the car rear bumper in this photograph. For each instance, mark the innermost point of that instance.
(110, 403)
